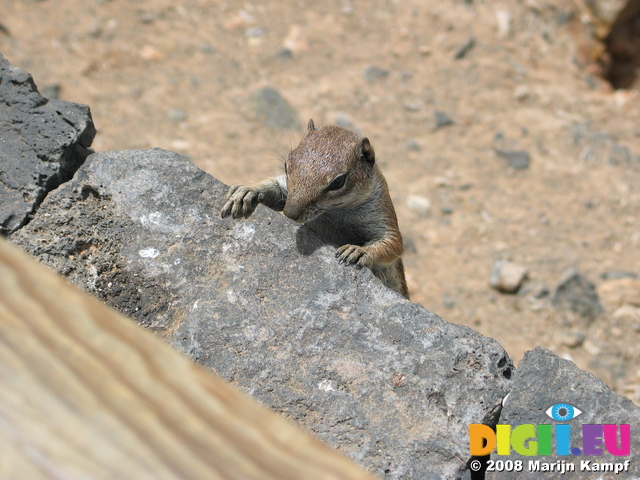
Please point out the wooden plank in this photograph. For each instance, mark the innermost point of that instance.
(85, 393)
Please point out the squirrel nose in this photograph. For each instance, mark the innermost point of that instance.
(292, 212)
(295, 216)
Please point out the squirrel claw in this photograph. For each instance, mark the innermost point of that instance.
(352, 254)
(241, 202)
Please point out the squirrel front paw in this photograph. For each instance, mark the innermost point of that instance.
(353, 255)
(241, 202)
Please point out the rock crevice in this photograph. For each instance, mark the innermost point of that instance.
(43, 144)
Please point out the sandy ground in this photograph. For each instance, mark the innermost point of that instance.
(509, 75)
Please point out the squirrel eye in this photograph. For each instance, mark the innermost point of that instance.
(337, 182)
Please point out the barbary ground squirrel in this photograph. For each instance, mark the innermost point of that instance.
(332, 185)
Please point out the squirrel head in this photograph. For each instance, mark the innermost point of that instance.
(332, 168)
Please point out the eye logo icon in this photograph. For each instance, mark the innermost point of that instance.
(562, 412)
(530, 440)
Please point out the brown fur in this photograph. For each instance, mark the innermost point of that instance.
(359, 215)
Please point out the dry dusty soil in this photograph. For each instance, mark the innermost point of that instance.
(445, 91)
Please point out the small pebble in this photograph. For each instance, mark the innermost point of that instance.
(146, 17)
(446, 209)
(448, 301)
(518, 159)
(620, 291)
(419, 204)
(507, 277)
(615, 274)
(572, 339)
(442, 119)
(541, 292)
(295, 41)
(465, 49)
(148, 52)
(521, 93)
(254, 32)
(503, 17)
(284, 54)
(373, 73)
(409, 244)
(176, 115)
(628, 315)
(412, 146)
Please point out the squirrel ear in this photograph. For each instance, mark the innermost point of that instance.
(310, 126)
(365, 151)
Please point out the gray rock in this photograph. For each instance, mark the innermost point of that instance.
(177, 115)
(464, 50)
(518, 159)
(599, 147)
(442, 119)
(373, 73)
(543, 380)
(447, 210)
(576, 293)
(343, 120)
(43, 143)
(412, 146)
(616, 274)
(256, 31)
(267, 306)
(274, 110)
(412, 107)
(284, 53)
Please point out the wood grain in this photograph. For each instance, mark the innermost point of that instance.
(85, 393)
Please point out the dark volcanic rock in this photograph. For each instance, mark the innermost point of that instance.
(42, 143)
(543, 380)
(576, 293)
(274, 110)
(267, 306)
